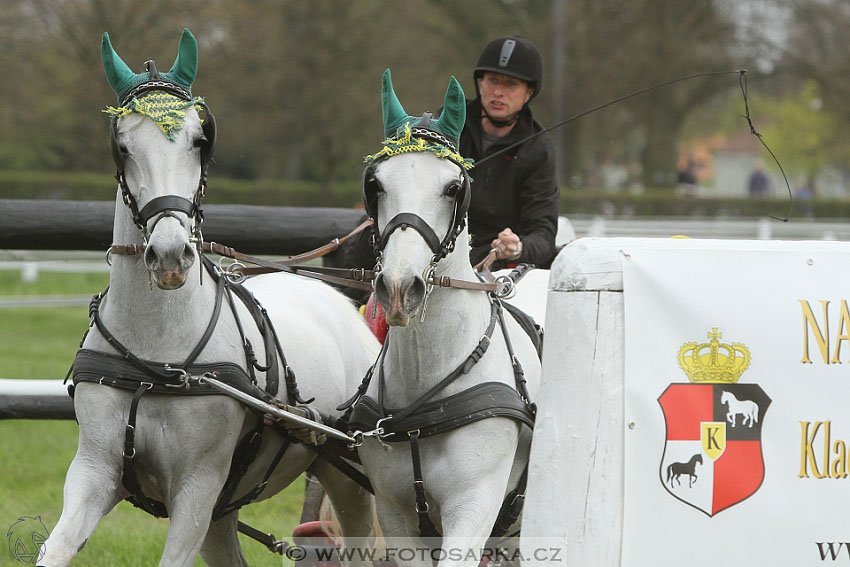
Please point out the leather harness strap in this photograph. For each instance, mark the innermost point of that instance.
(424, 418)
(358, 278)
(463, 368)
(351, 277)
(164, 373)
(127, 371)
(129, 478)
(409, 220)
(484, 265)
(344, 466)
(274, 545)
(426, 526)
(323, 250)
(242, 459)
(482, 401)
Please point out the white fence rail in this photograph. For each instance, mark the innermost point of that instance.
(34, 399)
(737, 229)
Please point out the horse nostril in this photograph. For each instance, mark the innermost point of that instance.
(151, 258)
(381, 292)
(414, 294)
(188, 256)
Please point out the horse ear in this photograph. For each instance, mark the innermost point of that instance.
(118, 73)
(185, 66)
(394, 114)
(454, 111)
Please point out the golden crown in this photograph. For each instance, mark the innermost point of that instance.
(714, 362)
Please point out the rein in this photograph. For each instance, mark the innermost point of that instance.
(358, 278)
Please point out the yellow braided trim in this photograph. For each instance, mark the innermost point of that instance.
(166, 110)
(407, 143)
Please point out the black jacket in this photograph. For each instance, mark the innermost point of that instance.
(517, 189)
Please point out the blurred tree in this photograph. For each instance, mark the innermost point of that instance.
(54, 55)
(803, 133)
(625, 45)
(817, 48)
(295, 85)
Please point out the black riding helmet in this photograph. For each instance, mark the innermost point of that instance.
(514, 56)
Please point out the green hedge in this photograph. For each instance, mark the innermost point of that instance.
(656, 202)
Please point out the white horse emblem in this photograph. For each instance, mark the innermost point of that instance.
(747, 408)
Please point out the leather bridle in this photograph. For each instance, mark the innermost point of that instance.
(440, 247)
(165, 206)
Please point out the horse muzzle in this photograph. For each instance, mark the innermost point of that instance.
(400, 297)
(169, 256)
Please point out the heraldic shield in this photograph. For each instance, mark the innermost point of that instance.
(713, 455)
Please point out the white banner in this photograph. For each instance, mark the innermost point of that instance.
(737, 377)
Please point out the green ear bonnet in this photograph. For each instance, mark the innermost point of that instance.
(178, 80)
(440, 136)
(162, 97)
(404, 133)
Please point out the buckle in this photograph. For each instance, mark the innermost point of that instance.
(183, 376)
(379, 433)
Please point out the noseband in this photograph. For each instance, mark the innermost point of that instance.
(165, 206)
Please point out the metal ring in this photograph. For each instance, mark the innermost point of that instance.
(234, 272)
(507, 289)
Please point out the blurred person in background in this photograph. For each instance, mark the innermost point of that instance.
(759, 183)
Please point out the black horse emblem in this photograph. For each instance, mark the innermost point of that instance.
(675, 470)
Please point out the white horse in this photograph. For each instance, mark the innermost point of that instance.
(467, 471)
(748, 409)
(184, 443)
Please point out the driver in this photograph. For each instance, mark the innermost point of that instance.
(515, 198)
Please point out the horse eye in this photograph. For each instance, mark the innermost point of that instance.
(373, 182)
(451, 190)
(200, 141)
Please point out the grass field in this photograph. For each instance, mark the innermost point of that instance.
(37, 342)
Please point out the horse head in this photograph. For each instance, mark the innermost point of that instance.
(417, 190)
(725, 397)
(161, 149)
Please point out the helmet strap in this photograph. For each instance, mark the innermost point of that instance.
(501, 123)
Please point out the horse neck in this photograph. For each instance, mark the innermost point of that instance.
(139, 313)
(426, 351)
